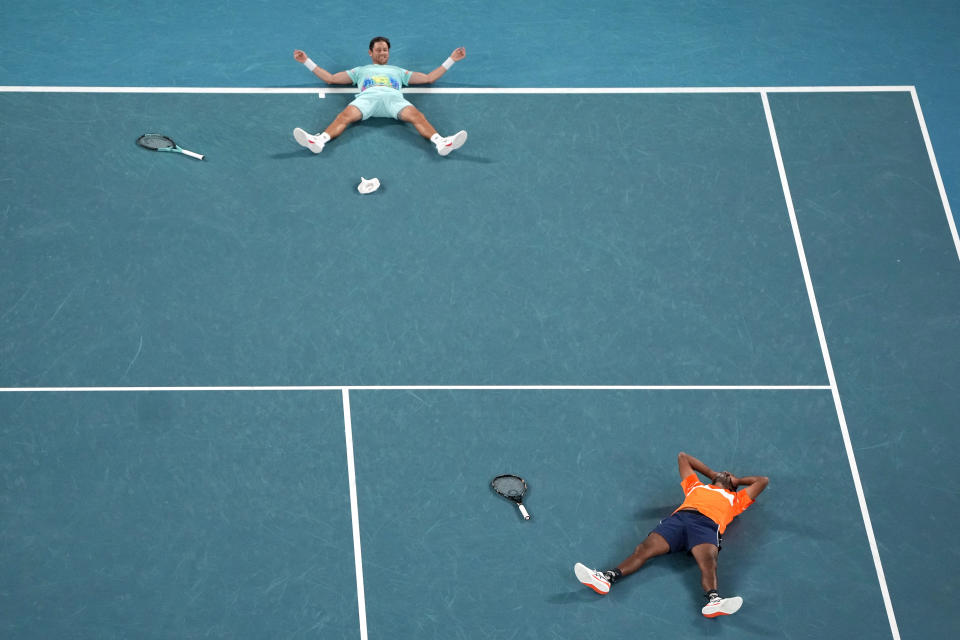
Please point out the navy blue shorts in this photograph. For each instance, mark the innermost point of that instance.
(686, 529)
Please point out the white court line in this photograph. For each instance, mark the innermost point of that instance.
(454, 90)
(624, 387)
(851, 458)
(354, 514)
(936, 171)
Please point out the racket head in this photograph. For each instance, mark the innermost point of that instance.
(510, 487)
(156, 142)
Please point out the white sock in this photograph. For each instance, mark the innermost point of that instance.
(436, 138)
(324, 137)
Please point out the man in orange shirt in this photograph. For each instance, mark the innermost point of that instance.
(696, 526)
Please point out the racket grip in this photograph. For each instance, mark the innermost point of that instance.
(523, 511)
(198, 156)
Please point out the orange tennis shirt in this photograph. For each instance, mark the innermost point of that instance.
(716, 503)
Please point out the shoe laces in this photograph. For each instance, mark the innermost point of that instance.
(714, 599)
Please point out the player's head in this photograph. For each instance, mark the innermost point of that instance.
(724, 479)
(380, 50)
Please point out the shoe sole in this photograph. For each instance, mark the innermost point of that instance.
(729, 606)
(303, 139)
(585, 576)
(458, 139)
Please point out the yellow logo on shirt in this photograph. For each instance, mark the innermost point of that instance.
(380, 81)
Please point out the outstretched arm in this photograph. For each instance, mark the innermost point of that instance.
(688, 464)
(429, 78)
(341, 77)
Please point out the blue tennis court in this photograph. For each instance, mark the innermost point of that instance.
(241, 400)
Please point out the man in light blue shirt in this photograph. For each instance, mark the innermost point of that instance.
(380, 96)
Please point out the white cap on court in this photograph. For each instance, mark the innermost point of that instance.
(368, 186)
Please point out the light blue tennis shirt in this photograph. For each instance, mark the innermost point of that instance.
(379, 77)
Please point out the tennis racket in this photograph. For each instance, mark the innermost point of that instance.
(157, 142)
(512, 488)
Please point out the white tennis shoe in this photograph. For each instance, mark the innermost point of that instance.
(722, 606)
(304, 139)
(451, 143)
(596, 580)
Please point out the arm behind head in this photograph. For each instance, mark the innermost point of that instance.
(755, 485)
(688, 464)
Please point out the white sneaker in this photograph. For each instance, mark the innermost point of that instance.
(722, 606)
(450, 143)
(304, 139)
(596, 580)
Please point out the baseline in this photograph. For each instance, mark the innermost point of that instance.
(812, 387)
(455, 90)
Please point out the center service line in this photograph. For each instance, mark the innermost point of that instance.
(354, 514)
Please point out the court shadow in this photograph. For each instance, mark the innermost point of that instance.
(721, 627)
(288, 155)
(654, 514)
(461, 156)
(297, 151)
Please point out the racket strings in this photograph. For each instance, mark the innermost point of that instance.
(154, 141)
(510, 487)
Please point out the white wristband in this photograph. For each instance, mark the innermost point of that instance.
(447, 63)
(310, 64)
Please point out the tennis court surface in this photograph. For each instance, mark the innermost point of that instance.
(240, 399)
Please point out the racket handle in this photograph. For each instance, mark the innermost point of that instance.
(192, 154)
(523, 511)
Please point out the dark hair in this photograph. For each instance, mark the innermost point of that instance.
(724, 480)
(379, 39)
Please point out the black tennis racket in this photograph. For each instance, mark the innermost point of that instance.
(157, 142)
(512, 488)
